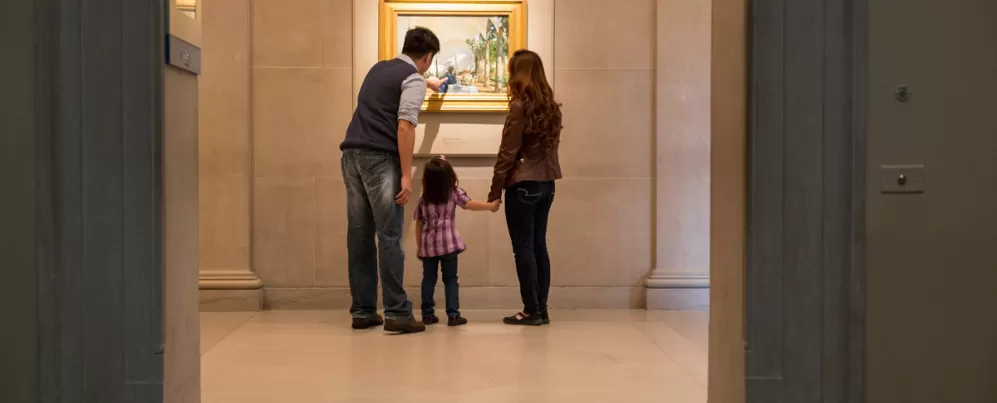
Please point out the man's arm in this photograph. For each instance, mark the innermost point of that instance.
(413, 93)
(406, 145)
(435, 83)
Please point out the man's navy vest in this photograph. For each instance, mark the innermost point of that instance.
(375, 122)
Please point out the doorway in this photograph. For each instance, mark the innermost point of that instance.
(105, 141)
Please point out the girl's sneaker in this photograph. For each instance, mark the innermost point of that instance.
(456, 321)
(430, 319)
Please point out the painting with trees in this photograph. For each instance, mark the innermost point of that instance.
(473, 54)
(476, 40)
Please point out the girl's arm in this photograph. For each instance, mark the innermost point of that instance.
(475, 205)
(418, 236)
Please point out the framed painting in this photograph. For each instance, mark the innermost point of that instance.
(477, 37)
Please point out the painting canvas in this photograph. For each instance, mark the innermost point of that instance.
(474, 51)
(476, 41)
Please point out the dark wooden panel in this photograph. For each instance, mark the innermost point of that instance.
(142, 249)
(102, 200)
(765, 236)
(62, 284)
(100, 288)
(18, 205)
(802, 253)
(805, 319)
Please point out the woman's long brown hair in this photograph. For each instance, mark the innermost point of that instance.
(528, 84)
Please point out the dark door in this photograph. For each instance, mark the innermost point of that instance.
(932, 266)
(100, 191)
(804, 275)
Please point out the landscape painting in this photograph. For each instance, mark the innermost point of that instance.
(476, 40)
(474, 51)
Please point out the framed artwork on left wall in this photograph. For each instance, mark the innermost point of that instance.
(477, 37)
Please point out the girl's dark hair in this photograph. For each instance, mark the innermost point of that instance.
(528, 84)
(438, 181)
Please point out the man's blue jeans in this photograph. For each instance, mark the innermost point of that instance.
(373, 179)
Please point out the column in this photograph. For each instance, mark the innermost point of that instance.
(226, 279)
(680, 279)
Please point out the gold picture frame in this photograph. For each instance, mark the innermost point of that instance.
(513, 10)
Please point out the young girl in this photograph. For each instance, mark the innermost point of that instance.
(439, 243)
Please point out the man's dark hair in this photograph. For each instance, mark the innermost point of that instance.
(419, 42)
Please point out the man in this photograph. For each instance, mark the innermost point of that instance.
(377, 169)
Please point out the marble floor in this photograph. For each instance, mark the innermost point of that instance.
(584, 356)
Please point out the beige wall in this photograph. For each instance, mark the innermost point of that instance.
(304, 69)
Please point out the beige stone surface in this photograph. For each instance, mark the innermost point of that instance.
(300, 116)
(600, 232)
(683, 138)
(224, 139)
(284, 231)
(230, 301)
(330, 232)
(224, 221)
(582, 357)
(604, 35)
(287, 33)
(608, 123)
(181, 381)
(337, 33)
(223, 88)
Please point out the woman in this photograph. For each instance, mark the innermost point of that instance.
(526, 169)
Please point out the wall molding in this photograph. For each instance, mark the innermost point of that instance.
(229, 280)
(335, 298)
(664, 278)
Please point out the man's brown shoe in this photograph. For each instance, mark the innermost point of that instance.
(456, 321)
(408, 325)
(368, 322)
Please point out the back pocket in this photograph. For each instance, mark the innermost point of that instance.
(528, 196)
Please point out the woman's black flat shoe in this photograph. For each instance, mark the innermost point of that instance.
(545, 317)
(523, 320)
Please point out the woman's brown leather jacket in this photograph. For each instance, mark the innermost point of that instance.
(523, 156)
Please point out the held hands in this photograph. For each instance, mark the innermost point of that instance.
(495, 205)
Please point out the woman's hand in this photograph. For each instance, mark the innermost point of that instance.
(495, 205)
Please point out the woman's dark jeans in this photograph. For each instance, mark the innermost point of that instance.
(527, 207)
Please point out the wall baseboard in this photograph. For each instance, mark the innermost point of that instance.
(470, 298)
(677, 290)
(231, 300)
(677, 299)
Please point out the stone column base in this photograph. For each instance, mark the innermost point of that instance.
(677, 291)
(230, 291)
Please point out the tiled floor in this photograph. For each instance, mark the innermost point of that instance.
(584, 356)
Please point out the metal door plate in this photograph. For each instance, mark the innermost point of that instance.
(901, 178)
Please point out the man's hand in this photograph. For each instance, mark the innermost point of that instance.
(403, 196)
(435, 83)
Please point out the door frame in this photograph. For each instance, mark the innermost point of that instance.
(788, 191)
